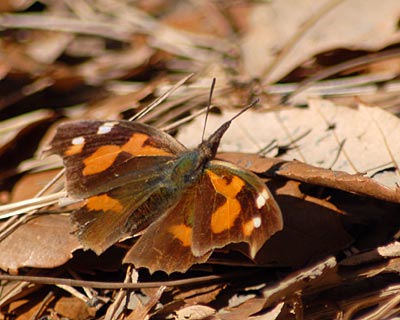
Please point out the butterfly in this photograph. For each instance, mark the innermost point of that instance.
(132, 177)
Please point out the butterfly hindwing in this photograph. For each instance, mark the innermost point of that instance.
(228, 205)
(232, 205)
(167, 243)
(102, 155)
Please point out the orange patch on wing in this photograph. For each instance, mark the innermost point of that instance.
(74, 149)
(225, 216)
(103, 203)
(183, 233)
(227, 189)
(248, 228)
(104, 156)
(136, 146)
(101, 159)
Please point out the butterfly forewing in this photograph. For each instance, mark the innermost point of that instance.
(102, 155)
(104, 218)
(112, 165)
(107, 217)
(232, 205)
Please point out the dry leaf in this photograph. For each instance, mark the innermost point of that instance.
(74, 308)
(30, 184)
(25, 309)
(244, 309)
(354, 183)
(43, 242)
(300, 240)
(356, 24)
(325, 135)
(271, 314)
(195, 312)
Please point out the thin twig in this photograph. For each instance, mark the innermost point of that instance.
(123, 285)
(161, 98)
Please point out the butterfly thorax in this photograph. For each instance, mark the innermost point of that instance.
(190, 164)
(188, 168)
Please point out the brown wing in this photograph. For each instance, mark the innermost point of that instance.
(105, 218)
(103, 155)
(228, 205)
(166, 244)
(233, 205)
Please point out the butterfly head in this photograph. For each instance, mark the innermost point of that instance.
(210, 146)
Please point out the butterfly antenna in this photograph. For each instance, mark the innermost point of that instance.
(251, 105)
(208, 107)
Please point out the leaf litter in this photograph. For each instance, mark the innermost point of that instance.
(331, 162)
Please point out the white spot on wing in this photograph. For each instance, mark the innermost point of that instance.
(106, 127)
(78, 140)
(257, 222)
(262, 199)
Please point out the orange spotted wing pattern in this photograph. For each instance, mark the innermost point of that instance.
(132, 176)
(112, 166)
(102, 155)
